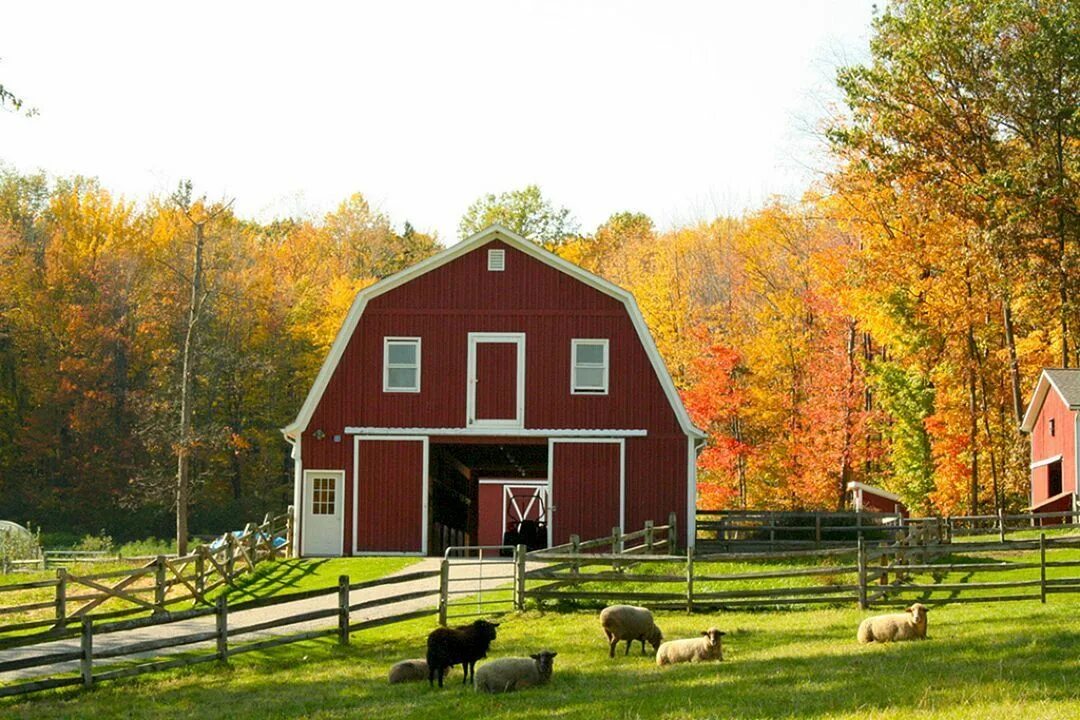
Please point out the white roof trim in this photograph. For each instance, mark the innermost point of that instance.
(1047, 461)
(880, 492)
(1037, 400)
(498, 432)
(493, 232)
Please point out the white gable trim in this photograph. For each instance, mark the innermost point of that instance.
(493, 232)
(1037, 400)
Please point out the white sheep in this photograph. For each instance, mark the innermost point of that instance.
(629, 623)
(700, 649)
(413, 670)
(514, 673)
(908, 625)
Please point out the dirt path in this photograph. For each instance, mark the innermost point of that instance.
(466, 577)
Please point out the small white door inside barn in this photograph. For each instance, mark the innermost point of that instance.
(322, 531)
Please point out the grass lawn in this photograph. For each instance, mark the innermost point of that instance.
(997, 661)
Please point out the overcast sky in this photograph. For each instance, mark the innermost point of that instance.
(681, 110)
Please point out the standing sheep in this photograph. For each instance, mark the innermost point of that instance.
(908, 625)
(414, 670)
(629, 623)
(461, 645)
(514, 673)
(699, 649)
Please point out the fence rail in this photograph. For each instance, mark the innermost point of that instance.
(159, 583)
(223, 635)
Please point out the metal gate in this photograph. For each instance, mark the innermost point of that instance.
(480, 580)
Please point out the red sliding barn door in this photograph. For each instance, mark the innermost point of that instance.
(391, 494)
(586, 488)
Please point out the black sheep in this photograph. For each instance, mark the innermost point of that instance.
(447, 647)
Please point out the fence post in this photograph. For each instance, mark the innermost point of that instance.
(1042, 567)
(221, 616)
(862, 574)
(817, 530)
(519, 577)
(649, 536)
(343, 609)
(444, 586)
(86, 662)
(689, 579)
(230, 557)
(672, 533)
(159, 585)
(575, 550)
(200, 573)
(61, 597)
(290, 549)
(616, 546)
(1001, 523)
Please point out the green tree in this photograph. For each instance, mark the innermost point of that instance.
(527, 212)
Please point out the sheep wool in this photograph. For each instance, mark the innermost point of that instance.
(700, 649)
(514, 673)
(908, 625)
(412, 670)
(629, 623)
(458, 646)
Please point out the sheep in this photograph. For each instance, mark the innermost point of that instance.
(514, 673)
(629, 623)
(413, 670)
(699, 649)
(908, 625)
(461, 645)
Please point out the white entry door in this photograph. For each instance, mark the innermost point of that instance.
(322, 531)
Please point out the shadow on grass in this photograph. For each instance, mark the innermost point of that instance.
(273, 578)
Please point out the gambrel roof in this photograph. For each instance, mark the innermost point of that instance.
(1064, 381)
(493, 232)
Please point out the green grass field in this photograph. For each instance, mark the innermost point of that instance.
(986, 661)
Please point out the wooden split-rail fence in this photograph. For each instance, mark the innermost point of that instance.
(161, 583)
(222, 636)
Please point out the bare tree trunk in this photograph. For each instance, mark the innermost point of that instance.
(1014, 364)
(849, 390)
(183, 452)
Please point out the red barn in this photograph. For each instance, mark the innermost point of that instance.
(491, 391)
(1053, 421)
(870, 498)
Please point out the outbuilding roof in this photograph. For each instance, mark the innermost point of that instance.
(1064, 381)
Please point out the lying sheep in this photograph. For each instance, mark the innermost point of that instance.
(514, 673)
(413, 670)
(629, 623)
(460, 645)
(908, 625)
(699, 649)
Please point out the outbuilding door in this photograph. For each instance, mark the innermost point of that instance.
(391, 491)
(322, 531)
(496, 380)
(587, 488)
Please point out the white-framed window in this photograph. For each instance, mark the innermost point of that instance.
(323, 490)
(589, 366)
(401, 364)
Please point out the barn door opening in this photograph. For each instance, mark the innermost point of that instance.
(587, 488)
(496, 380)
(322, 525)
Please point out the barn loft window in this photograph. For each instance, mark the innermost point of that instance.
(323, 490)
(401, 364)
(496, 260)
(589, 359)
(1052, 427)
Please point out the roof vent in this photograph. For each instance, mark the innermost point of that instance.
(496, 260)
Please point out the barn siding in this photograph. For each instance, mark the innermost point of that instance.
(1062, 443)
(585, 489)
(389, 511)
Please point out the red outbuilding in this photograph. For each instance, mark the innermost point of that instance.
(870, 498)
(492, 392)
(1053, 421)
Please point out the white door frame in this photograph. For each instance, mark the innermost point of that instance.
(553, 514)
(339, 506)
(476, 338)
(356, 493)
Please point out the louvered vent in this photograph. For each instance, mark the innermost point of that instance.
(496, 260)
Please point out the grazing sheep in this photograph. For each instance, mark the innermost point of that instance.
(629, 623)
(414, 670)
(461, 645)
(699, 649)
(514, 673)
(908, 625)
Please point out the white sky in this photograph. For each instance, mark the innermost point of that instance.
(682, 110)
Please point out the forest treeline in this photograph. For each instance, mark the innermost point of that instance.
(886, 327)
